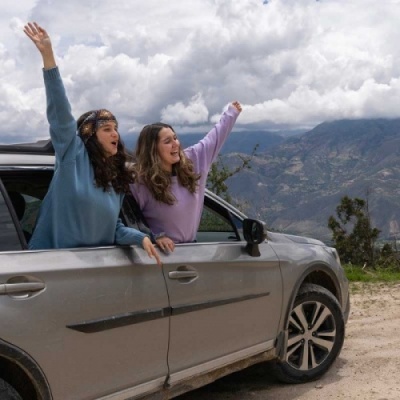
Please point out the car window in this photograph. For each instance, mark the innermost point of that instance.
(28, 220)
(212, 221)
(216, 226)
(26, 190)
(9, 239)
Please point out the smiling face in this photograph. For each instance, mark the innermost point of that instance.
(168, 148)
(108, 136)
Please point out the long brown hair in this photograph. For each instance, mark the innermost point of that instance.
(148, 168)
(108, 171)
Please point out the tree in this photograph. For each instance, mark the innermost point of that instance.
(219, 173)
(354, 245)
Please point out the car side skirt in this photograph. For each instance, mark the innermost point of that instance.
(200, 375)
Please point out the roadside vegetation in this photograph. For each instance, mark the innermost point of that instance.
(356, 241)
(357, 273)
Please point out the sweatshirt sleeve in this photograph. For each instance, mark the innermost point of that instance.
(127, 236)
(62, 123)
(206, 151)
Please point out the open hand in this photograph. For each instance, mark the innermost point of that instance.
(38, 36)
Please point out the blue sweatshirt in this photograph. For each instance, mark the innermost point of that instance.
(75, 212)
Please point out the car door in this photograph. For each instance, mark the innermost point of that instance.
(225, 304)
(95, 320)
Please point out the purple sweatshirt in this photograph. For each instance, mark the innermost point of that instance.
(180, 221)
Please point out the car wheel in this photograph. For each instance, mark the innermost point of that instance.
(7, 392)
(315, 337)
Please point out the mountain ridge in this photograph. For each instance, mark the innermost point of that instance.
(299, 182)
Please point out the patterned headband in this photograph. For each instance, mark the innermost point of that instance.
(93, 122)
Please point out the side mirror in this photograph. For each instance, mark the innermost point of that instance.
(254, 234)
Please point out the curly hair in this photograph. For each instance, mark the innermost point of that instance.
(108, 171)
(148, 168)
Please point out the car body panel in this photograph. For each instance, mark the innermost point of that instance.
(299, 260)
(99, 291)
(217, 311)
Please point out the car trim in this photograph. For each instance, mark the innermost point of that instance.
(133, 393)
(117, 321)
(178, 310)
(188, 373)
(137, 317)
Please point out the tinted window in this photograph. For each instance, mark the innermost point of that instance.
(8, 235)
(26, 188)
(215, 227)
(32, 205)
(211, 221)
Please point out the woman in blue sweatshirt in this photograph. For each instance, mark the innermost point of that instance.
(90, 179)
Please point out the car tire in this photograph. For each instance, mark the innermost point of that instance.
(7, 392)
(316, 330)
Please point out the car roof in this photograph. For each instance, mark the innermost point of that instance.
(40, 153)
(42, 147)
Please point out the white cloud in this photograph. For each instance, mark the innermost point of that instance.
(290, 62)
(194, 113)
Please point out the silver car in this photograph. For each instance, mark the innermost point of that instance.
(107, 323)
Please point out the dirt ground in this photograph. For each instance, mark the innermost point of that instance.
(368, 367)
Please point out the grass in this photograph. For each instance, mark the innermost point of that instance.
(357, 273)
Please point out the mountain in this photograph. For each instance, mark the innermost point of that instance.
(296, 185)
(243, 142)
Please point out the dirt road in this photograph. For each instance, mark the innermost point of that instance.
(368, 367)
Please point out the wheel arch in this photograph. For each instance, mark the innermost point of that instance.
(20, 370)
(318, 274)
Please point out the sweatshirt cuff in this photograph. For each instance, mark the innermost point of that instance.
(52, 73)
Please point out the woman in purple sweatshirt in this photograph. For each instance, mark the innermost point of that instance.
(170, 182)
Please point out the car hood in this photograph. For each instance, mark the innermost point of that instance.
(285, 238)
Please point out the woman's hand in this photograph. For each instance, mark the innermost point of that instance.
(165, 244)
(38, 36)
(237, 105)
(151, 250)
(42, 41)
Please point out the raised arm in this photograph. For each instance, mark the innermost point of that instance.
(42, 41)
(205, 152)
(62, 123)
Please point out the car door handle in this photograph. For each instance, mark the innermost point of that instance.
(14, 288)
(182, 274)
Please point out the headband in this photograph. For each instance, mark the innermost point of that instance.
(94, 121)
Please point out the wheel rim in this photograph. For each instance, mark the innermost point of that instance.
(312, 334)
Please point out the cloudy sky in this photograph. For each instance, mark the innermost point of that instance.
(291, 63)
